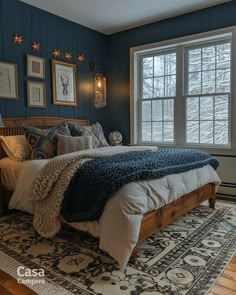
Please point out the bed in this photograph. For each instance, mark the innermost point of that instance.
(149, 221)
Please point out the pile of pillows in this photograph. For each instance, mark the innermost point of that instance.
(44, 144)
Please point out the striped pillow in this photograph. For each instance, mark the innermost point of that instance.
(69, 144)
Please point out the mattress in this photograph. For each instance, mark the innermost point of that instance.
(10, 170)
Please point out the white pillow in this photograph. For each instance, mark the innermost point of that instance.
(70, 144)
(16, 147)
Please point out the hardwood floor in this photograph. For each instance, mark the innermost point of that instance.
(225, 285)
(9, 286)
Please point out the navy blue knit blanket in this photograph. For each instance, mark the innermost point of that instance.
(97, 180)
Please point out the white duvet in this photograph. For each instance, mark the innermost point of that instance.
(119, 226)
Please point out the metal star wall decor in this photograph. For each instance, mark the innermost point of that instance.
(81, 57)
(68, 55)
(17, 39)
(56, 53)
(36, 46)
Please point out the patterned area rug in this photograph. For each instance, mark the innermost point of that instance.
(184, 258)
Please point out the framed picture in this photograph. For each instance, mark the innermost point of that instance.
(35, 66)
(36, 94)
(8, 80)
(64, 82)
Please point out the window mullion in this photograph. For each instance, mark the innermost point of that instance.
(179, 101)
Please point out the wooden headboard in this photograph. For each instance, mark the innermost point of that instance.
(13, 126)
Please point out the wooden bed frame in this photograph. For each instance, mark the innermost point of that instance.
(152, 221)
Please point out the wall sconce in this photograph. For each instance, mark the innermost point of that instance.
(100, 99)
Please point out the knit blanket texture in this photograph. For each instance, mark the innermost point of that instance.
(49, 186)
(96, 181)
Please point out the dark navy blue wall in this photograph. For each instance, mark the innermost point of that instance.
(119, 44)
(110, 53)
(52, 32)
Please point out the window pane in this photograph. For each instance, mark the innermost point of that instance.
(208, 58)
(221, 107)
(223, 55)
(223, 81)
(147, 88)
(206, 108)
(157, 131)
(147, 67)
(194, 86)
(170, 85)
(221, 132)
(192, 132)
(206, 132)
(157, 110)
(208, 82)
(159, 87)
(168, 109)
(170, 64)
(168, 132)
(194, 60)
(159, 65)
(192, 110)
(146, 110)
(146, 131)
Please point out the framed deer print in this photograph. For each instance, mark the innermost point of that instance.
(64, 83)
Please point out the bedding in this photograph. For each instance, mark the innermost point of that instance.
(69, 144)
(10, 170)
(75, 129)
(16, 147)
(96, 131)
(119, 225)
(20, 199)
(43, 143)
(96, 181)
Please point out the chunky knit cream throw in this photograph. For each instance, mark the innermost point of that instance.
(50, 185)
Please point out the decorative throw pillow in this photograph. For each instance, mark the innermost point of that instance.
(75, 129)
(43, 143)
(69, 144)
(95, 130)
(16, 147)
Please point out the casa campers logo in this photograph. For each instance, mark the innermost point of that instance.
(29, 276)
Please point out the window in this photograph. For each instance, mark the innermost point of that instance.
(158, 94)
(208, 92)
(182, 92)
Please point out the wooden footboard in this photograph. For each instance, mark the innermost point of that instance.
(165, 215)
(157, 219)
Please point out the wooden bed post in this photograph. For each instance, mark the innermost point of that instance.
(212, 201)
(134, 255)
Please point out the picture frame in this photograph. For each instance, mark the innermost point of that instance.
(36, 94)
(35, 66)
(8, 80)
(64, 83)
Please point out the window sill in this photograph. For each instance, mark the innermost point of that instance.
(208, 149)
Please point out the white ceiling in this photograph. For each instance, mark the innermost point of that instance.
(111, 16)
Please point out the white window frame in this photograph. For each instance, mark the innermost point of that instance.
(136, 52)
(185, 93)
(153, 98)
